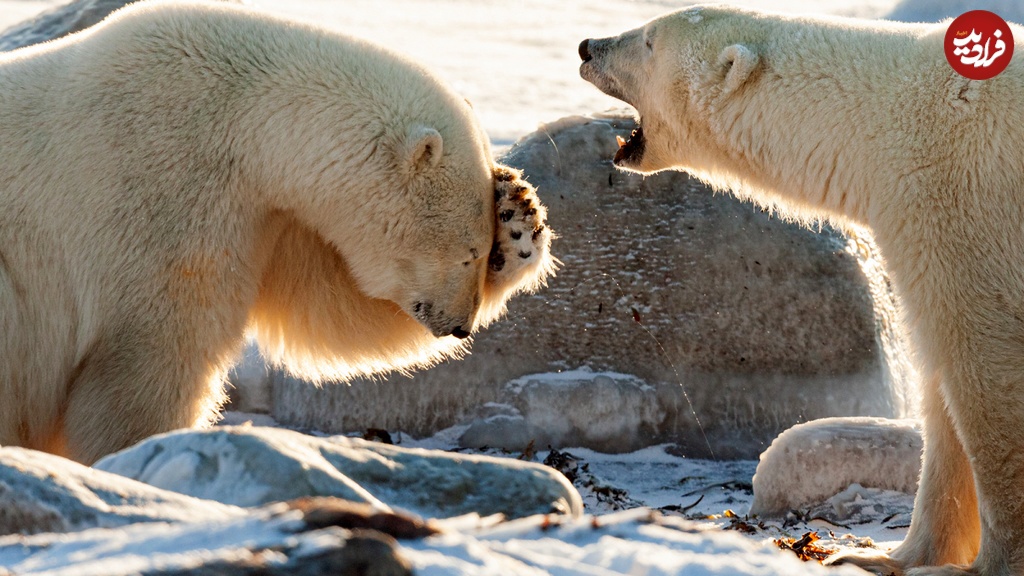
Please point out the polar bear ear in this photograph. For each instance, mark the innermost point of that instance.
(424, 147)
(739, 62)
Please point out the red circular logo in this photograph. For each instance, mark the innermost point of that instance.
(978, 44)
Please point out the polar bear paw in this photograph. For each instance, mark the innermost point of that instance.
(520, 258)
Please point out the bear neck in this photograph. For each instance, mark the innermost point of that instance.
(831, 101)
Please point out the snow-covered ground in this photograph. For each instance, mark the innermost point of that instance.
(697, 526)
(719, 494)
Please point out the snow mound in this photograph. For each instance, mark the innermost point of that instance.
(812, 462)
(251, 466)
(44, 493)
(935, 10)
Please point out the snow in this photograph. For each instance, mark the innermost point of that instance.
(811, 462)
(40, 492)
(631, 542)
(935, 10)
(105, 552)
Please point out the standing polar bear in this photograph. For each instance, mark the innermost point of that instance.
(866, 123)
(183, 173)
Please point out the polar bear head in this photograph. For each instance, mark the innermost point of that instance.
(391, 168)
(674, 70)
(432, 258)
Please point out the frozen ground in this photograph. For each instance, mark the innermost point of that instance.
(699, 526)
(720, 493)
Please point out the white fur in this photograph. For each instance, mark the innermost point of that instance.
(183, 173)
(865, 123)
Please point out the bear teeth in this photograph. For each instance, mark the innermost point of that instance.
(620, 141)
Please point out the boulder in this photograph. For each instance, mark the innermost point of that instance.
(60, 21)
(733, 324)
(253, 466)
(40, 492)
(820, 460)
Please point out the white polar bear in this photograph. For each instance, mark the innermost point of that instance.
(866, 123)
(183, 173)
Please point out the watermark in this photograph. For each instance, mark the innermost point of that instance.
(979, 44)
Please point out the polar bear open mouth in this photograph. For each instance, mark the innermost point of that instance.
(630, 149)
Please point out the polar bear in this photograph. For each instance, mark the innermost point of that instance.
(865, 123)
(185, 173)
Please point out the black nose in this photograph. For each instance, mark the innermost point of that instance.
(459, 333)
(585, 50)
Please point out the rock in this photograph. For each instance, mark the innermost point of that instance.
(252, 466)
(60, 21)
(44, 493)
(821, 460)
(249, 384)
(733, 318)
(617, 412)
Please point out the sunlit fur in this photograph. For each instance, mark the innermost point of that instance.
(185, 173)
(312, 319)
(866, 123)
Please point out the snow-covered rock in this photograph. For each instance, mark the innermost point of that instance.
(821, 460)
(280, 540)
(59, 21)
(251, 466)
(616, 412)
(935, 10)
(732, 317)
(44, 493)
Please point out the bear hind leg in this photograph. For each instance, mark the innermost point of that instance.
(114, 403)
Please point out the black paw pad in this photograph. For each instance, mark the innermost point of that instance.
(520, 231)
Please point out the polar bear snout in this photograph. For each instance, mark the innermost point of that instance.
(442, 324)
(585, 51)
(599, 56)
(594, 66)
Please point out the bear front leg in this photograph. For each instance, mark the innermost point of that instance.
(120, 397)
(985, 403)
(945, 526)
